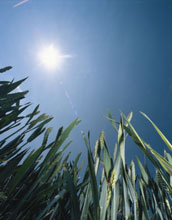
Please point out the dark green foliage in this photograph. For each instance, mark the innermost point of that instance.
(30, 187)
(44, 184)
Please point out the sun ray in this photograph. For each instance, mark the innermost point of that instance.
(51, 58)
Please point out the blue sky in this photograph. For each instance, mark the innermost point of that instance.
(121, 60)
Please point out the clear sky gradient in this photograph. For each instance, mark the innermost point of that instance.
(121, 59)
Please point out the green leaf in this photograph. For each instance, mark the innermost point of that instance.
(61, 137)
(88, 196)
(55, 200)
(2, 70)
(8, 170)
(164, 163)
(115, 201)
(31, 115)
(75, 211)
(144, 204)
(39, 119)
(106, 161)
(143, 171)
(132, 191)
(126, 200)
(121, 141)
(7, 88)
(141, 144)
(159, 132)
(93, 180)
(93, 185)
(28, 163)
(103, 200)
(111, 120)
(46, 135)
(115, 152)
(129, 117)
(11, 148)
(35, 134)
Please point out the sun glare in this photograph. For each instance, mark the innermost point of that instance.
(50, 58)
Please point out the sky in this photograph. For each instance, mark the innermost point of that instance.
(118, 56)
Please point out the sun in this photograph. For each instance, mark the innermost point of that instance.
(50, 57)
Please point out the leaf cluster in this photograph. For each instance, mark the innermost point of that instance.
(44, 183)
